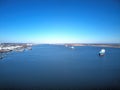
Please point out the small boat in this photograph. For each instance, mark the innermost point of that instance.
(72, 47)
(102, 52)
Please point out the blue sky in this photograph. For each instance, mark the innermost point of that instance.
(60, 21)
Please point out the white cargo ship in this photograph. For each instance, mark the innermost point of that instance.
(102, 52)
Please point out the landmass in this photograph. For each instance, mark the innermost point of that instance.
(9, 47)
(97, 45)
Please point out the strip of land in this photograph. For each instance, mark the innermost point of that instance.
(97, 45)
(7, 47)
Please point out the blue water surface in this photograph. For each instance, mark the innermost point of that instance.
(57, 66)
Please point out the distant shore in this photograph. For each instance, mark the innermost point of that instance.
(97, 45)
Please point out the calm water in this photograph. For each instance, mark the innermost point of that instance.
(54, 66)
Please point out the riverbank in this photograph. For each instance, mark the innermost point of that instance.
(7, 47)
(97, 45)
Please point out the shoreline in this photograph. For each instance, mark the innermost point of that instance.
(96, 45)
(8, 47)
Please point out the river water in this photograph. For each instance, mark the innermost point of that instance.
(60, 67)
